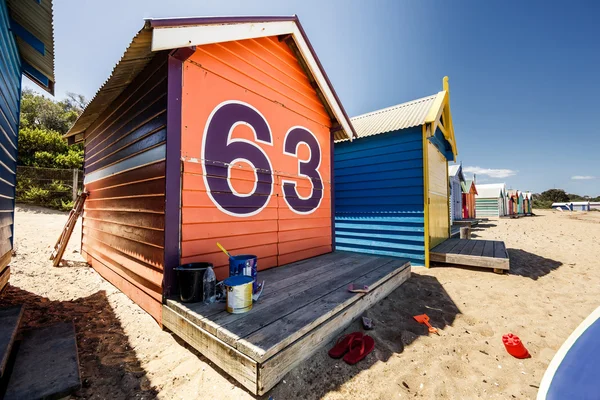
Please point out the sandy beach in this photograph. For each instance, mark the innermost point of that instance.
(554, 283)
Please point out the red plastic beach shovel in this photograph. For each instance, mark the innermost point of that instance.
(424, 319)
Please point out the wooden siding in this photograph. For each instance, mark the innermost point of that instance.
(10, 94)
(456, 199)
(123, 221)
(252, 76)
(379, 195)
(487, 207)
(469, 205)
(439, 217)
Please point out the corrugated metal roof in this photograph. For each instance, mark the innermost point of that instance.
(490, 190)
(139, 53)
(466, 185)
(401, 116)
(36, 18)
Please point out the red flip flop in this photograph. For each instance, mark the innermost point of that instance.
(343, 344)
(359, 349)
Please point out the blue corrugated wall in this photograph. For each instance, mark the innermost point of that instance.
(10, 94)
(379, 195)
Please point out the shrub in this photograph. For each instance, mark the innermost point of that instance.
(36, 195)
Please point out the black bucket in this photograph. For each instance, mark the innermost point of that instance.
(189, 278)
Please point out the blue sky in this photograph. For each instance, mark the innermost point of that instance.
(524, 76)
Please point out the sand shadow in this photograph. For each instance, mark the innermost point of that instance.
(480, 227)
(108, 364)
(394, 329)
(530, 265)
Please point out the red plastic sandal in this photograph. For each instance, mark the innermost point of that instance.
(343, 344)
(359, 349)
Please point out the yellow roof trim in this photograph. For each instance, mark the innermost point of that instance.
(436, 108)
(439, 108)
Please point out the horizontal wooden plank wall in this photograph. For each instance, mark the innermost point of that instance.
(123, 220)
(487, 207)
(10, 95)
(265, 75)
(379, 195)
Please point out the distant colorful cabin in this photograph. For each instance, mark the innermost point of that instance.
(527, 203)
(469, 191)
(457, 180)
(490, 200)
(513, 202)
(391, 183)
(520, 199)
(208, 130)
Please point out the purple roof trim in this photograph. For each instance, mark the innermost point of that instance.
(314, 54)
(172, 22)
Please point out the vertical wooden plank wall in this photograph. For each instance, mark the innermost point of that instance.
(10, 95)
(255, 91)
(123, 221)
(438, 196)
(379, 195)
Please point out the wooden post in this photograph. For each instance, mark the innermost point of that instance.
(465, 232)
(75, 182)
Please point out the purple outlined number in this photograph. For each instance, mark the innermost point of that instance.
(310, 169)
(219, 152)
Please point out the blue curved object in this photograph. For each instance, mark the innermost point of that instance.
(574, 372)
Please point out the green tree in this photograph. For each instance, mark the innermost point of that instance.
(38, 111)
(554, 195)
(47, 149)
(41, 144)
(546, 198)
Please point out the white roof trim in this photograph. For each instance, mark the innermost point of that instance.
(164, 38)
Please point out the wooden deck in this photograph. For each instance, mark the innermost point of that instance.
(474, 253)
(303, 307)
(466, 222)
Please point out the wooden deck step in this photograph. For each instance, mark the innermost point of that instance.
(473, 253)
(10, 318)
(305, 305)
(47, 365)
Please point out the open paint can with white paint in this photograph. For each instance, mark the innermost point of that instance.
(239, 294)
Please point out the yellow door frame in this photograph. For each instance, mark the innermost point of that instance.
(426, 194)
(439, 112)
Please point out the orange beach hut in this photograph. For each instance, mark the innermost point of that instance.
(208, 130)
(469, 191)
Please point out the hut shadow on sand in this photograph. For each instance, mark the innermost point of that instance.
(483, 226)
(108, 364)
(530, 265)
(394, 329)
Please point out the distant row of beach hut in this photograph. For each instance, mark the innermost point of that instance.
(576, 206)
(462, 194)
(495, 200)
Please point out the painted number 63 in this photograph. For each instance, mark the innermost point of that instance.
(220, 151)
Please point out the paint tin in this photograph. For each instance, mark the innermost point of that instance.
(239, 294)
(245, 265)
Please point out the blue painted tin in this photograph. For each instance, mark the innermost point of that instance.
(245, 264)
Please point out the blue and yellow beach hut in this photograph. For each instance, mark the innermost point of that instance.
(391, 183)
